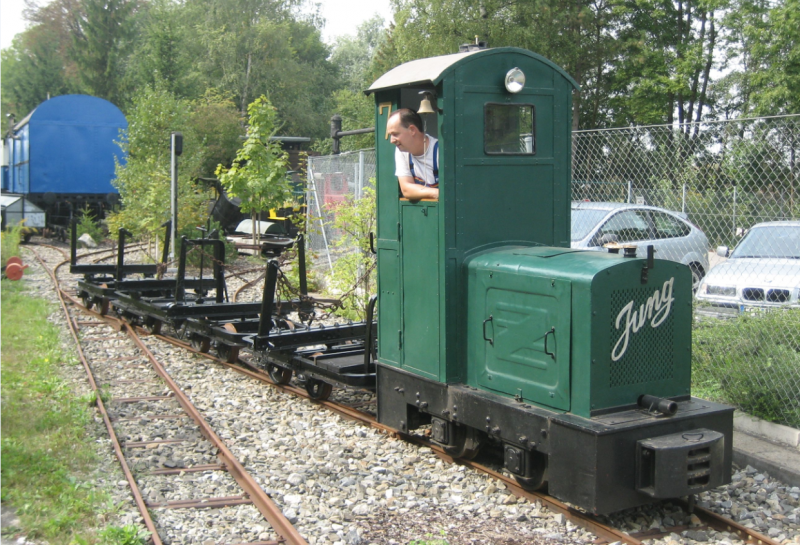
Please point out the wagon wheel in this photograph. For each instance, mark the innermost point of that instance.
(153, 325)
(466, 443)
(102, 305)
(88, 301)
(538, 473)
(318, 389)
(229, 327)
(228, 353)
(102, 302)
(278, 374)
(200, 343)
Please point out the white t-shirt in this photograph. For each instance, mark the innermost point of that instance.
(423, 164)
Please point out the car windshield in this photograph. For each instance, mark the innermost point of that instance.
(584, 220)
(774, 241)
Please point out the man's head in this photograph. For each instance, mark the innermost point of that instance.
(406, 132)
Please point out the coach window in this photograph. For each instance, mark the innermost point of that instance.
(509, 129)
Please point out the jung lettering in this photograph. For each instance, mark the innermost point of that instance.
(655, 310)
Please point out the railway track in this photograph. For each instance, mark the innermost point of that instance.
(605, 533)
(134, 393)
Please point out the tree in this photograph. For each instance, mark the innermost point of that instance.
(144, 180)
(159, 52)
(30, 73)
(38, 63)
(252, 47)
(578, 35)
(353, 58)
(100, 42)
(774, 51)
(216, 121)
(258, 174)
(664, 72)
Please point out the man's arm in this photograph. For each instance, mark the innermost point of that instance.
(415, 192)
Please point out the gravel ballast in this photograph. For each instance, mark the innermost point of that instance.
(342, 483)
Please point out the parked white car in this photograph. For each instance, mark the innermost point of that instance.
(671, 234)
(762, 272)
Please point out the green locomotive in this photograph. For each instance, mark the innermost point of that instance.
(493, 331)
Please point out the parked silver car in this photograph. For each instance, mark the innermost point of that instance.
(763, 271)
(672, 236)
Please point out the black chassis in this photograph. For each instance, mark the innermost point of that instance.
(346, 358)
(603, 464)
(175, 313)
(120, 269)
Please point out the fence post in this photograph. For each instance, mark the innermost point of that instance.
(360, 178)
(630, 189)
(683, 199)
(734, 213)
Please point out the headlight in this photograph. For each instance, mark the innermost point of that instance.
(725, 291)
(515, 80)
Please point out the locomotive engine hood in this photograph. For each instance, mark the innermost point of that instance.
(578, 331)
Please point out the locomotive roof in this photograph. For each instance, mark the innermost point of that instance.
(431, 70)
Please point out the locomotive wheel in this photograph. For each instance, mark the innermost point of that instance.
(466, 443)
(278, 374)
(538, 474)
(201, 344)
(318, 389)
(228, 353)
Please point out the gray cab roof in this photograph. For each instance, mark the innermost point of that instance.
(432, 69)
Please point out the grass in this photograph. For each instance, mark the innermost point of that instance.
(46, 452)
(752, 362)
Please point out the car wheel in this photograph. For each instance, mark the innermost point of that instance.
(697, 275)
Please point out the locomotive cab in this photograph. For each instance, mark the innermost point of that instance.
(493, 331)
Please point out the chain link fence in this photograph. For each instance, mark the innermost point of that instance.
(714, 183)
(333, 179)
(724, 178)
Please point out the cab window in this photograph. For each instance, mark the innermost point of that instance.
(509, 129)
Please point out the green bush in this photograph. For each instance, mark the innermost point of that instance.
(354, 272)
(9, 243)
(88, 224)
(752, 362)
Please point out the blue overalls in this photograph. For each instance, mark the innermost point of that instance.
(420, 181)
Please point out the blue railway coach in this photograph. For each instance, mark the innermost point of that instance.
(61, 155)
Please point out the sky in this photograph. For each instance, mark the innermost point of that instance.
(342, 17)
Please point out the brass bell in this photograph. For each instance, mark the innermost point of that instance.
(425, 106)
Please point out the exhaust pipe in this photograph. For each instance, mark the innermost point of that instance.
(664, 406)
